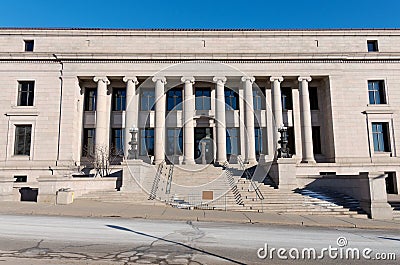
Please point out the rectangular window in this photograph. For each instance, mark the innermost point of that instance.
(258, 140)
(118, 142)
(147, 100)
(287, 99)
(90, 99)
(316, 137)
(391, 183)
(313, 94)
(231, 100)
(174, 141)
(291, 140)
(203, 98)
(232, 141)
(23, 140)
(372, 45)
(380, 136)
(147, 142)
(376, 92)
(119, 99)
(259, 99)
(88, 147)
(174, 99)
(20, 178)
(26, 93)
(29, 44)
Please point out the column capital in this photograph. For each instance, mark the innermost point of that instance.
(187, 79)
(219, 80)
(276, 78)
(102, 79)
(133, 79)
(304, 78)
(162, 79)
(248, 78)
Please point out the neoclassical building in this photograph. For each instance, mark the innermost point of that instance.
(201, 97)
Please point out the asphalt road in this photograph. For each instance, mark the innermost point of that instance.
(70, 240)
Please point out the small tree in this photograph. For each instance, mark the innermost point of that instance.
(101, 159)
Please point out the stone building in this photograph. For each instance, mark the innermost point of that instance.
(203, 97)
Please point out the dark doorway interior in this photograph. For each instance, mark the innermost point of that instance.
(28, 194)
(203, 135)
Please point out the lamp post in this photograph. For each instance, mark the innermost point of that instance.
(283, 151)
(133, 151)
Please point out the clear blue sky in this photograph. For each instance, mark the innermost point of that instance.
(201, 14)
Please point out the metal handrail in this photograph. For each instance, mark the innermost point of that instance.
(260, 196)
(154, 188)
(169, 180)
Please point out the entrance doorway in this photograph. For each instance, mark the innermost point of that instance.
(203, 141)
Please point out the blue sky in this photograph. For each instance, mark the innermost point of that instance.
(201, 14)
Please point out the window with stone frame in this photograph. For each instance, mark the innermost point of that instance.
(26, 92)
(376, 92)
(380, 136)
(23, 137)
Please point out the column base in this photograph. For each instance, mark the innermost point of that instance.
(188, 162)
(308, 161)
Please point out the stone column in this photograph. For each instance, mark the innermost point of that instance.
(305, 117)
(249, 121)
(131, 112)
(220, 119)
(276, 106)
(103, 108)
(159, 123)
(188, 114)
(297, 123)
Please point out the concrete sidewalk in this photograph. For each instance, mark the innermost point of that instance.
(85, 208)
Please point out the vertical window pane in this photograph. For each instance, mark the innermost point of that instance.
(119, 99)
(118, 141)
(147, 100)
(23, 139)
(90, 99)
(146, 141)
(25, 93)
(380, 136)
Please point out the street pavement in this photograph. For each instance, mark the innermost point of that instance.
(38, 239)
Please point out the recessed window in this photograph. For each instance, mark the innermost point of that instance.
(118, 142)
(380, 136)
(88, 147)
(372, 45)
(90, 99)
(174, 141)
(147, 142)
(287, 100)
(259, 98)
(313, 94)
(23, 140)
(119, 99)
(376, 92)
(203, 98)
(258, 136)
(232, 141)
(316, 137)
(147, 100)
(174, 99)
(29, 44)
(231, 99)
(20, 178)
(25, 93)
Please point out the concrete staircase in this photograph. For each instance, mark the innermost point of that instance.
(114, 196)
(396, 209)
